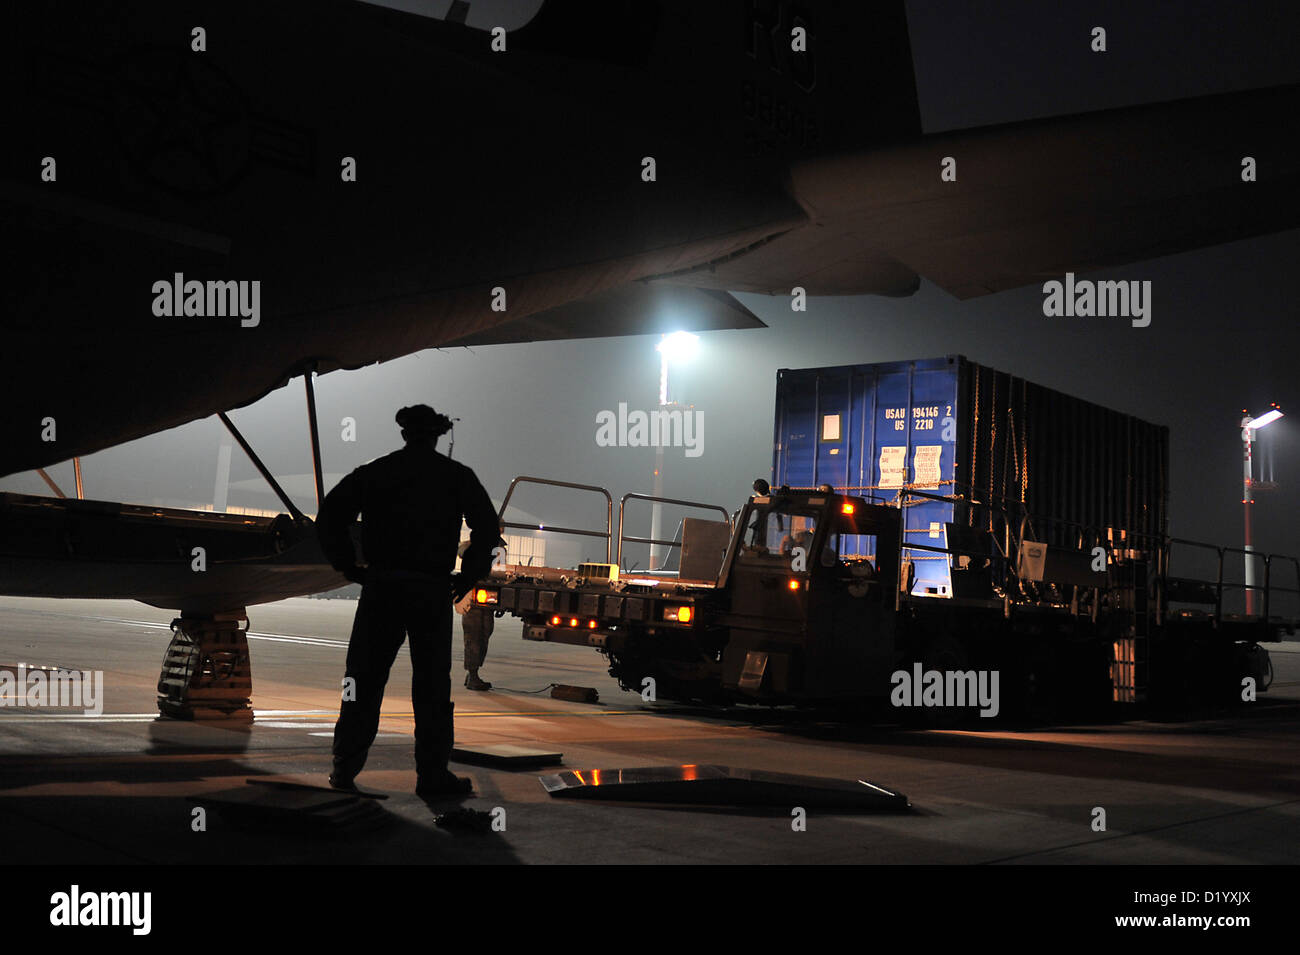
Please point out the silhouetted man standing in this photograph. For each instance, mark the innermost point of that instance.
(411, 504)
(477, 624)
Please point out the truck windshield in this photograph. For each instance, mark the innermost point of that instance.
(776, 532)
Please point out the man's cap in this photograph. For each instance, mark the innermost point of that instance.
(423, 420)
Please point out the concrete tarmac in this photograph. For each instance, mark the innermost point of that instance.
(124, 786)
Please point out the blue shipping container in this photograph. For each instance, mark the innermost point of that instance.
(949, 427)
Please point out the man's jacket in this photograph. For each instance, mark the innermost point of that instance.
(411, 504)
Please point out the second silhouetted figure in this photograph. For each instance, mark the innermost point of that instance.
(411, 504)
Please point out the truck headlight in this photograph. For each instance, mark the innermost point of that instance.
(679, 614)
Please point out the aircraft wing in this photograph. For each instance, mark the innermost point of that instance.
(107, 550)
(1032, 200)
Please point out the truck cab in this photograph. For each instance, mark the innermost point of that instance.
(809, 583)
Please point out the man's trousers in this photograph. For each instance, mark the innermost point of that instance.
(393, 608)
(476, 624)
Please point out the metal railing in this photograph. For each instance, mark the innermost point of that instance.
(580, 532)
(1119, 544)
(1007, 525)
(1002, 553)
(670, 544)
(611, 555)
(1267, 589)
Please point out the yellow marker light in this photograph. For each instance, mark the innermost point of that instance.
(591, 625)
(794, 584)
(847, 508)
(573, 621)
(684, 615)
(555, 621)
(483, 596)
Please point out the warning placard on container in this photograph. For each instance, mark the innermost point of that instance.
(893, 462)
(925, 465)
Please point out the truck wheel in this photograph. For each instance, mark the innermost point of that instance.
(629, 670)
(944, 654)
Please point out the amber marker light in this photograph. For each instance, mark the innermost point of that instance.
(794, 583)
(847, 508)
(555, 621)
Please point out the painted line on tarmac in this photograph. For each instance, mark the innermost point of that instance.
(251, 634)
(258, 717)
(282, 718)
(489, 713)
(155, 625)
(81, 718)
(557, 713)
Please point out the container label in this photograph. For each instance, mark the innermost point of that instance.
(893, 462)
(925, 465)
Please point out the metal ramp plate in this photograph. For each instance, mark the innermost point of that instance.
(298, 809)
(723, 786)
(506, 756)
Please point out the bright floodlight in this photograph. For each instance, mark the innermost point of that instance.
(679, 346)
(1267, 418)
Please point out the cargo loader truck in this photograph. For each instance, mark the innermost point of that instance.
(931, 516)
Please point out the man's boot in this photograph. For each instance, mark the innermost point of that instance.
(473, 682)
(343, 782)
(432, 751)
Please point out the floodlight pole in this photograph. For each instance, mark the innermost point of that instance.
(1249, 426)
(656, 508)
(1247, 436)
(679, 343)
